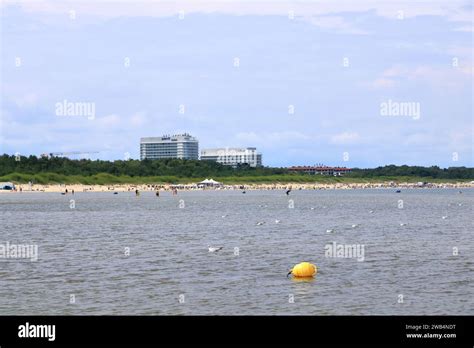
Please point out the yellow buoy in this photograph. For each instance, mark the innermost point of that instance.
(303, 269)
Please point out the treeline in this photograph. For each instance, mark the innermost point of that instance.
(133, 168)
(176, 168)
(410, 171)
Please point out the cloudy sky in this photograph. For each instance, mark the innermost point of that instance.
(305, 82)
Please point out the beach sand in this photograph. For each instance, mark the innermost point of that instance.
(193, 186)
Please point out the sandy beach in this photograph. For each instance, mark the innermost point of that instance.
(192, 186)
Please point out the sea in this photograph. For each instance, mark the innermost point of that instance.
(377, 252)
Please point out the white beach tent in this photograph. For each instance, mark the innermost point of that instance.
(209, 182)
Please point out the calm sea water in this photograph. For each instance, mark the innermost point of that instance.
(169, 271)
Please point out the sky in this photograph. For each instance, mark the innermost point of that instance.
(347, 83)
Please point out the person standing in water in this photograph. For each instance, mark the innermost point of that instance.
(137, 193)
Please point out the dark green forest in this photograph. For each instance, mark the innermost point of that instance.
(432, 172)
(164, 167)
(18, 169)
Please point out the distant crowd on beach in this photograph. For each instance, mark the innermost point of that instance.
(173, 189)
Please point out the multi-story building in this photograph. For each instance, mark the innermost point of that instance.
(182, 146)
(233, 156)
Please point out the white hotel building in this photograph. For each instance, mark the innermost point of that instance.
(233, 156)
(182, 146)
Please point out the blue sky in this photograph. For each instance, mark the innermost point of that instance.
(291, 56)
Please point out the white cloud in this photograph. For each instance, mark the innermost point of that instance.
(138, 119)
(394, 71)
(345, 138)
(452, 9)
(461, 140)
(267, 138)
(447, 76)
(26, 100)
(383, 83)
(421, 139)
(337, 24)
(388, 76)
(463, 52)
(466, 28)
(108, 121)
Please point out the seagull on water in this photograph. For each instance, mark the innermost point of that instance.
(312, 208)
(371, 211)
(260, 223)
(402, 224)
(277, 221)
(214, 249)
(354, 225)
(444, 217)
(329, 231)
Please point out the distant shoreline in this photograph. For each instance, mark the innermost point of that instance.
(237, 187)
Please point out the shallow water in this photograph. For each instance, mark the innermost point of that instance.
(170, 272)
